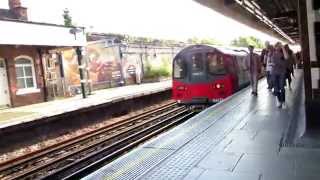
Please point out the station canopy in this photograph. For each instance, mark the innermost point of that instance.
(15, 32)
(277, 18)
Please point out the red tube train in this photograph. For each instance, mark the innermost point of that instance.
(205, 75)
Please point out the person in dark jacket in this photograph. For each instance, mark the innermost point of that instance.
(290, 59)
(264, 53)
(279, 74)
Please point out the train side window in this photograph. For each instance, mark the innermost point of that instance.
(197, 64)
(230, 65)
(178, 68)
(235, 64)
(216, 64)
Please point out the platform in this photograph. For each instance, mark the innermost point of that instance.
(19, 115)
(240, 138)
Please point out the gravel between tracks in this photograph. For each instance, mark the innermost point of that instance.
(48, 142)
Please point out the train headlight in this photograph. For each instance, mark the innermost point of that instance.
(218, 86)
(181, 88)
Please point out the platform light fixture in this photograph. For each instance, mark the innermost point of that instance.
(253, 8)
(75, 30)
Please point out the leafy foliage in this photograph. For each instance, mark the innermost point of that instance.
(161, 42)
(67, 18)
(142, 40)
(246, 41)
(209, 41)
(164, 70)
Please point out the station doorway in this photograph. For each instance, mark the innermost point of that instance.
(4, 90)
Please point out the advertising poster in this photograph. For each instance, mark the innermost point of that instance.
(71, 68)
(103, 63)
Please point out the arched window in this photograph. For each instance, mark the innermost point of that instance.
(25, 73)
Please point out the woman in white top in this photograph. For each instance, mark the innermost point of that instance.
(269, 64)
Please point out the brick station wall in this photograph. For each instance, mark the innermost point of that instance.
(9, 53)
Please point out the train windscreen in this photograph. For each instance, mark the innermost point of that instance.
(197, 65)
(179, 68)
(215, 64)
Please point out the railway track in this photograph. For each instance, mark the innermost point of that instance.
(81, 155)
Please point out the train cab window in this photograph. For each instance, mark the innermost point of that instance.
(178, 68)
(215, 64)
(197, 65)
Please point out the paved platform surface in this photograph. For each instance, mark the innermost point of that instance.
(238, 139)
(13, 116)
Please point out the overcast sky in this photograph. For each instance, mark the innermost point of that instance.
(170, 19)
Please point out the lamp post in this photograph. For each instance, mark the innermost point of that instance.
(122, 48)
(81, 71)
(79, 52)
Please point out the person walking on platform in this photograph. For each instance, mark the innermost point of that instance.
(290, 59)
(279, 74)
(254, 66)
(267, 61)
(299, 60)
(264, 53)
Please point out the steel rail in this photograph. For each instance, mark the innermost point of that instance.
(69, 156)
(108, 153)
(73, 155)
(23, 160)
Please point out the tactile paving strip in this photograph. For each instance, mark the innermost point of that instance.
(184, 133)
(183, 160)
(172, 148)
(131, 166)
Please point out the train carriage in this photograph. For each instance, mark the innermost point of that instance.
(205, 75)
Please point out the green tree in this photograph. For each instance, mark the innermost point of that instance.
(194, 40)
(246, 41)
(210, 41)
(136, 39)
(67, 18)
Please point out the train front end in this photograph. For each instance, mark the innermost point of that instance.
(200, 77)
